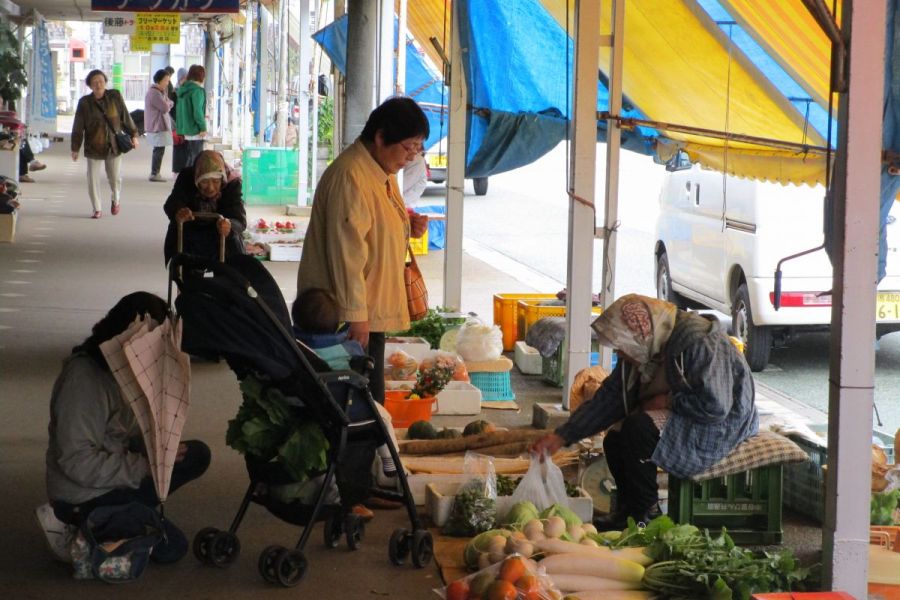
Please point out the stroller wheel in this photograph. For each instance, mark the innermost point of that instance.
(290, 567)
(398, 547)
(422, 548)
(201, 543)
(333, 531)
(356, 531)
(267, 561)
(224, 548)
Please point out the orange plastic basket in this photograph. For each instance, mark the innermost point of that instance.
(405, 412)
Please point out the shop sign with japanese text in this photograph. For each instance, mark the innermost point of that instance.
(158, 28)
(121, 23)
(184, 6)
(137, 44)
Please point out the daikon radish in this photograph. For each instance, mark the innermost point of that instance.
(571, 583)
(554, 546)
(607, 567)
(612, 595)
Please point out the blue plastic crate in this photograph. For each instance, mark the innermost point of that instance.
(493, 386)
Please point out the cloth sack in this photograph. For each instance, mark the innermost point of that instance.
(114, 542)
(416, 292)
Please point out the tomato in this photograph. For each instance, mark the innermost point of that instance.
(502, 590)
(512, 569)
(458, 590)
(530, 587)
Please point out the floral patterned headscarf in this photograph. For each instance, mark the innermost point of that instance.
(638, 326)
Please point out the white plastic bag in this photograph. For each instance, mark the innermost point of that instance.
(479, 342)
(543, 485)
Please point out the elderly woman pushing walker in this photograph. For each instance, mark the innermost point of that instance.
(681, 398)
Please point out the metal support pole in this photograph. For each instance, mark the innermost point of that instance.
(613, 146)
(400, 85)
(303, 121)
(360, 84)
(211, 83)
(281, 114)
(246, 78)
(263, 84)
(456, 164)
(234, 94)
(852, 376)
(582, 219)
(385, 60)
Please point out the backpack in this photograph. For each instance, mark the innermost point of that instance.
(114, 542)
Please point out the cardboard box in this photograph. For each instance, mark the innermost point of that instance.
(285, 252)
(8, 226)
(439, 500)
(528, 359)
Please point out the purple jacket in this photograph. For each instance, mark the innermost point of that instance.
(156, 111)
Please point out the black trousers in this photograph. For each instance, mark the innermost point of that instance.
(25, 156)
(628, 454)
(156, 159)
(376, 378)
(194, 148)
(192, 466)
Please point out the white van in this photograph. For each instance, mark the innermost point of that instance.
(719, 240)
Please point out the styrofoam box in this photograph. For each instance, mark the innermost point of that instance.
(8, 226)
(285, 252)
(528, 359)
(439, 500)
(416, 347)
(457, 397)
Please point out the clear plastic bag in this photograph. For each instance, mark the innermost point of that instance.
(543, 485)
(513, 577)
(479, 342)
(474, 507)
(401, 366)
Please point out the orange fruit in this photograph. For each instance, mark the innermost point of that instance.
(458, 590)
(512, 569)
(530, 587)
(502, 590)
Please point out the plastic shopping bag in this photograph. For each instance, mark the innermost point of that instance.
(479, 342)
(543, 485)
(474, 507)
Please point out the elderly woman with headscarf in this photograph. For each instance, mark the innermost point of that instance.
(209, 186)
(680, 397)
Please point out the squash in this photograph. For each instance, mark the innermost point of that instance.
(448, 434)
(421, 430)
(479, 426)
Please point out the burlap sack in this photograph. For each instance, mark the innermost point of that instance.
(587, 382)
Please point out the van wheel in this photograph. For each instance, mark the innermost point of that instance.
(664, 289)
(480, 184)
(757, 340)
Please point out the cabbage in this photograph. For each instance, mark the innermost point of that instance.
(564, 512)
(521, 513)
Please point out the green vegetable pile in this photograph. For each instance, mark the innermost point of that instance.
(432, 326)
(882, 507)
(268, 428)
(690, 563)
(472, 513)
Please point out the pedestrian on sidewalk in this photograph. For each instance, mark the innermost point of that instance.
(157, 122)
(190, 114)
(27, 161)
(97, 116)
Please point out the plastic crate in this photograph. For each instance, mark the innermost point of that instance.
(748, 504)
(529, 312)
(505, 314)
(419, 246)
(804, 483)
(553, 368)
(493, 386)
(269, 176)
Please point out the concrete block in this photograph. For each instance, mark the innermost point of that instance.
(546, 415)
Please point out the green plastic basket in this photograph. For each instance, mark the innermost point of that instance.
(270, 176)
(493, 386)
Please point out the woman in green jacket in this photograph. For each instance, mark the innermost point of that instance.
(98, 115)
(190, 113)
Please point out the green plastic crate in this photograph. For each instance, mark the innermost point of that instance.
(270, 176)
(748, 504)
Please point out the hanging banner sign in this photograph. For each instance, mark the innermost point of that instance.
(180, 6)
(123, 23)
(140, 45)
(41, 109)
(158, 28)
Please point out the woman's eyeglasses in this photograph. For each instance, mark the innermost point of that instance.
(414, 148)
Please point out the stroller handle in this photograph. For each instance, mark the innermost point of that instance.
(202, 216)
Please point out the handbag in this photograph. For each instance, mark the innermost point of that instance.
(123, 140)
(416, 292)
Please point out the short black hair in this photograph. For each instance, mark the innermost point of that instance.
(92, 74)
(169, 70)
(158, 76)
(398, 118)
(316, 311)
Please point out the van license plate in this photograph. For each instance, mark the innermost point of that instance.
(887, 306)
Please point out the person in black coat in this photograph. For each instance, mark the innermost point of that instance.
(207, 187)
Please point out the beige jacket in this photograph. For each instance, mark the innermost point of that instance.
(356, 242)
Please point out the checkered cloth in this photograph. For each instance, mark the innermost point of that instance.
(763, 449)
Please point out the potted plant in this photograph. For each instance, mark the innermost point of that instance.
(12, 71)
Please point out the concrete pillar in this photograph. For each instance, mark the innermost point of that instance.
(851, 395)
(263, 83)
(247, 73)
(303, 198)
(456, 164)
(234, 95)
(360, 84)
(282, 105)
(211, 83)
(385, 59)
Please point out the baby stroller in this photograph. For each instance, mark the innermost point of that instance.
(236, 312)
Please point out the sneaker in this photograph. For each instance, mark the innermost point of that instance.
(115, 208)
(363, 513)
(36, 165)
(26, 179)
(158, 178)
(59, 535)
(97, 214)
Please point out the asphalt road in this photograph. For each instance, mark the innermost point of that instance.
(524, 219)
